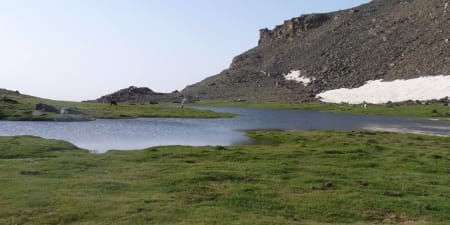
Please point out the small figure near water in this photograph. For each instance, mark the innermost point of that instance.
(364, 105)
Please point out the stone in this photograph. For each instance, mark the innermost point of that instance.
(29, 172)
(393, 193)
(363, 183)
(71, 111)
(9, 100)
(328, 186)
(46, 108)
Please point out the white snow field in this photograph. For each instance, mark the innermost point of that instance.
(378, 91)
(296, 75)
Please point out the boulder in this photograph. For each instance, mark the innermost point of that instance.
(71, 111)
(46, 108)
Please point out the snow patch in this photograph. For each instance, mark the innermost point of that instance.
(378, 91)
(296, 75)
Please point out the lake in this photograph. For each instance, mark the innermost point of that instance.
(128, 134)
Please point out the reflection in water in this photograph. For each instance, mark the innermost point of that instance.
(103, 135)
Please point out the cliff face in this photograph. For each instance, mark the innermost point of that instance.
(384, 39)
(292, 28)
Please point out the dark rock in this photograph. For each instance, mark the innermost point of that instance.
(29, 173)
(9, 100)
(46, 108)
(362, 183)
(426, 207)
(328, 186)
(393, 193)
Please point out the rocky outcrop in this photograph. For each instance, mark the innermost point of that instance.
(46, 108)
(139, 95)
(384, 39)
(292, 28)
(8, 100)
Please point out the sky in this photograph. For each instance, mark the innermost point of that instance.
(83, 49)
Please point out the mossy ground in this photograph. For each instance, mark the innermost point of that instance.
(431, 110)
(23, 110)
(321, 177)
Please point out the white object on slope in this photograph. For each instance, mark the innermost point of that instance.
(296, 75)
(378, 91)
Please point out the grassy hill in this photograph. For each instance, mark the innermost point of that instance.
(20, 107)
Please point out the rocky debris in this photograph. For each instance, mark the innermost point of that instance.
(9, 100)
(444, 101)
(46, 108)
(384, 39)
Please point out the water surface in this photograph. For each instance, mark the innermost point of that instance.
(127, 134)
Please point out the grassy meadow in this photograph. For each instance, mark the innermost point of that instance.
(320, 177)
(23, 110)
(416, 110)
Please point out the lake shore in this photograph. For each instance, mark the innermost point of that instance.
(439, 111)
(23, 108)
(319, 177)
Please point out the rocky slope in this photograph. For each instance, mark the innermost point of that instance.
(384, 39)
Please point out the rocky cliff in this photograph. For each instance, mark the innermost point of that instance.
(384, 39)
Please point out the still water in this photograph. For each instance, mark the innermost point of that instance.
(126, 134)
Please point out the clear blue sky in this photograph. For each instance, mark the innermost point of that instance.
(82, 49)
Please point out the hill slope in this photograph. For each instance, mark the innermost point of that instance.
(310, 54)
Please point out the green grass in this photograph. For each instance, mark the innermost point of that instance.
(23, 110)
(296, 178)
(433, 110)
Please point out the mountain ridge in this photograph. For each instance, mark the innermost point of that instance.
(383, 39)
